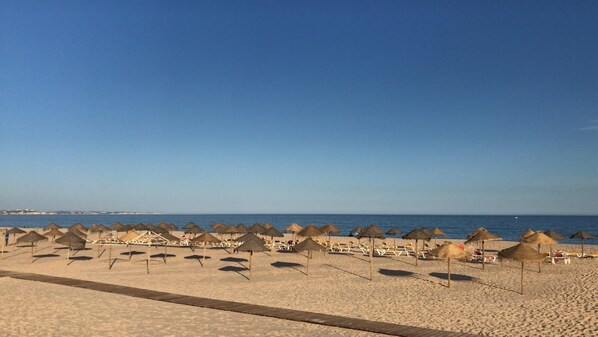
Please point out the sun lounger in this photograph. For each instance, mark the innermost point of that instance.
(560, 256)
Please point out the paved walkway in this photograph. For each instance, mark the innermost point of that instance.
(245, 308)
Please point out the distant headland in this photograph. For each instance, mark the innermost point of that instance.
(36, 212)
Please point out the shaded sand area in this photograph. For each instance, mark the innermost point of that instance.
(562, 300)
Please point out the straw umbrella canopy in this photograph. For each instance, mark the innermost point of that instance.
(31, 237)
(99, 229)
(159, 230)
(294, 228)
(329, 228)
(54, 232)
(165, 227)
(583, 236)
(128, 237)
(232, 229)
(355, 231)
(483, 235)
(527, 233)
(310, 231)
(205, 238)
(117, 226)
(523, 253)
(218, 227)
(266, 225)
(554, 235)
(79, 226)
(241, 228)
(77, 232)
(71, 240)
(129, 227)
(416, 234)
(540, 239)
(250, 236)
(273, 232)
(372, 232)
(256, 228)
(251, 245)
(308, 245)
(189, 225)
(194, 230)
(140, 227)
(448, 251)
(394, 232)
(14, 231)
(173, 227)
(436, 232)
(50, 226)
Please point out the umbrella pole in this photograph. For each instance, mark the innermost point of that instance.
(32, 252)
(109, 256)
(394, 243)
(582, 254)
(483, 257)
(371, 256)
(416, 252)
(165, 253)
(129, 251)
(148, 257)
(250, 255)
(539, 263)
(68, 252)
(449, 272)
(205, 247)
(308, 257)
(522, 277)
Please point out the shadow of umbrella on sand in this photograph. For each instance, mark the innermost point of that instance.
(31, 237)
(71, 240)
(308, 245)
(251, 245)
(522, 253)
(448, 251)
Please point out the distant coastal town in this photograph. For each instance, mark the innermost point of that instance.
(36, 212)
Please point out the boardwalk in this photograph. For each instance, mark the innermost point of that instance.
(245, 308)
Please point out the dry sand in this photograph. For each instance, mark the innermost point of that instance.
(560, 301)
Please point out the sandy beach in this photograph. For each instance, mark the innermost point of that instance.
(562, 300)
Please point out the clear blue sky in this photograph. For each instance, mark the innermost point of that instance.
(292, 106)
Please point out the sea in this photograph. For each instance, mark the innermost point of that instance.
(509, 227)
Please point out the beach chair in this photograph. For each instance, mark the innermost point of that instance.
(560, 256)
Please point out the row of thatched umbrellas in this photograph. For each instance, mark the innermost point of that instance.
(251, 243)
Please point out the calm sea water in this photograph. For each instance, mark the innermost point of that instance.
(455, 226)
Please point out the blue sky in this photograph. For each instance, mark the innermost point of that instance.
(310, 107)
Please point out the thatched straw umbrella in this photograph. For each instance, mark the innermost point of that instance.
(77, 232)
(195, 230)
(71, 240)
(31, 237)
(436, 232)
(51, 226)
(100, 229)
(164, 226)
(329, 228)
(417, 234)
(309, 245)
(189, 225)
(294, 228)
(54, 232)
(540, 239)
(14, 231)
(394, 232)
(522, 253)
(272, 232)
(256, 228)
(483, 235)
(205, 238)
(232, 230)
(173, 227)
(554, 235)
(219, 227)
(140, 227)
(527, 233)
(250, 236)
(583, 236)
(372, 232)
(310, 231)
(79, 226)
(241, 228)
(251, 246)
(117, 226)
(266, 225)
(448, 251)
(159, 230)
